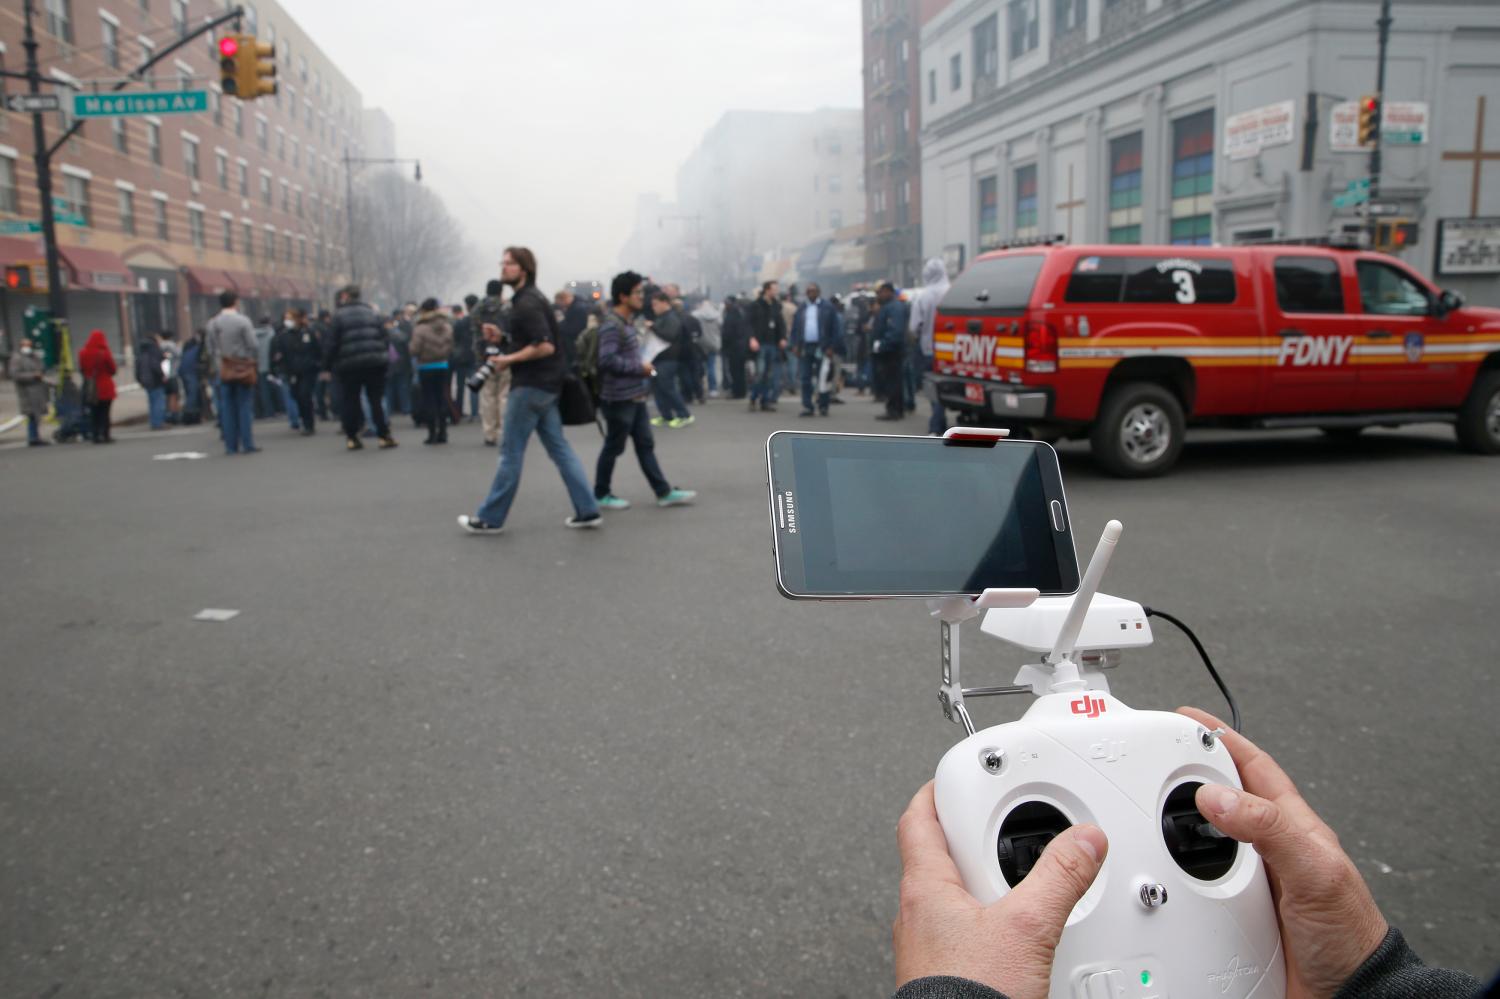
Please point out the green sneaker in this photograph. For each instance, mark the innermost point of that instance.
(613, 503)
(657, 421)
(677, 497)
(686, 421)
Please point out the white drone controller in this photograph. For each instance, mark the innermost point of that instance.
(1178, 910)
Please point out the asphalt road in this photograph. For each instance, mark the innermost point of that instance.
(564, 763)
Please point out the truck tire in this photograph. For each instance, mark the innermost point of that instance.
(1478, 426)
(1139, 431)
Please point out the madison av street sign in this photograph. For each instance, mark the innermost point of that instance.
(34, 102)
(164, 102)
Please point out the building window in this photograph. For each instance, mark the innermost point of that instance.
(989, 213)
(270, 245)
(1025, 27)
(932, 86)
(265, 189)
(221, 169)
(296, 153)
(249, 235)
(195, 226)
(9, 197)
(228, 235)
(281, 145)
(987, 52)
(286, 245)
(60, 19)
(1193, 179)
(76, 192)
(110, 34)
(153, 141)
(835, 183)
(1125, 189)
(244, 179)
(190, 157)
(955, 72)
(835, 218)
(286, 197)
(297, 198)
(1026, 203)
(237, 115)
(120, 135)
(179, 17)
(252, 19)
(127, 212)
(216, 105)
(161, 219)
(262, 134)
(1068, 15)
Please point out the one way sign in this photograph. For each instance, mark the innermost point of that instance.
(34, 102)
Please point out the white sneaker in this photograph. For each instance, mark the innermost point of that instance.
(476, 526)
(597, 520)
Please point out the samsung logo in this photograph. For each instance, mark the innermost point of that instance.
(790, 505)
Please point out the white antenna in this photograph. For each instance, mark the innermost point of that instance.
(1062, 652)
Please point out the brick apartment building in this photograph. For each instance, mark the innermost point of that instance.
(177, 208)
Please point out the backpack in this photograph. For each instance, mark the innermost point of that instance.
(586, 350)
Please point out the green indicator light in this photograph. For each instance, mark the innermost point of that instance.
(1145, 978)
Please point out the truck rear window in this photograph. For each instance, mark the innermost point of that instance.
(1165, 280)
(1000, 285)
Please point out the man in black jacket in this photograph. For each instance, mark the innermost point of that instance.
(735, 340)
(297, 353)
(356, 352)
(768, 334)
(668, 326)
(461, 364)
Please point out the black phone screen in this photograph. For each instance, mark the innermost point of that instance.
(864, 515)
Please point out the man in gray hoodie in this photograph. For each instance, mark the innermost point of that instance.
(924, 307)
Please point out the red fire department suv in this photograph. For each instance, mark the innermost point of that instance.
(1130, 344)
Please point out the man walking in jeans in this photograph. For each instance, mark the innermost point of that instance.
(356, 353)
(625, 383)
(537, 369)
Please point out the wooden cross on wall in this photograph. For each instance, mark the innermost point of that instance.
(1478, 156)
(1070, 204)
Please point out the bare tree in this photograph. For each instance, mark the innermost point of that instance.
(406, 244)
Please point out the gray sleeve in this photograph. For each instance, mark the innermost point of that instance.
(1395, 972)
(945, 987)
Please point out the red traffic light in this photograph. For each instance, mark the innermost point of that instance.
(1371, 103)
(229, 47)
(13, 277)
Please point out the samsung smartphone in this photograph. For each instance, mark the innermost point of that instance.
(861, 516)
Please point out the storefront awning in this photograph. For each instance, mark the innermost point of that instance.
(208, 280)
(97, 270)
(16, 250)
(248, 285)
(844, 257)
(812, 255)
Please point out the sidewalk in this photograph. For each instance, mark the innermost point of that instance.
(129, 409)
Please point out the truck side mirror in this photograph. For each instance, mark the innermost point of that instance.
(1448, 301)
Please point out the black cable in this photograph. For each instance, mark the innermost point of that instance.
(1234, 708)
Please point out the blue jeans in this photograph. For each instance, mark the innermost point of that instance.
(767, 383)
(156, 407)
(526, 410)
(937, 423)
(808, 365)
(237, 416)
(289, 402)
(712, 363)
(668, 392)
(628, 420)
(33, 427)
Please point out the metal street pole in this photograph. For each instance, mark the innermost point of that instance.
(349, 215)
(55, 299)
(1384, 24)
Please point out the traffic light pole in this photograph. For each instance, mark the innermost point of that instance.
(1384, 24)
(56, 300)
(349, 162)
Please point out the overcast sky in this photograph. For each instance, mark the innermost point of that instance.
(540, 123)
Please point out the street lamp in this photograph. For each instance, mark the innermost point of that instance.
(349, 162)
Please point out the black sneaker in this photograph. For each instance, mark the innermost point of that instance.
(476, 526)
(354, 444)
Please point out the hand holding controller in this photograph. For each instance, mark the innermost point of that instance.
(1329, 923)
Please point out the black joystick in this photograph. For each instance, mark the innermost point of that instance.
(1024, 834)
(1199, 849)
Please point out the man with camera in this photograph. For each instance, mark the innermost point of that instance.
(537, 371)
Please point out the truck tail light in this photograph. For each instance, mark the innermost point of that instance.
(1041, 348)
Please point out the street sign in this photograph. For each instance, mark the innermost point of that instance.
(1378, 208)
(12, 227)
(34, 102)
(1356, 192)
(162, 102)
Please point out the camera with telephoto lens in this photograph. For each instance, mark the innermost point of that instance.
(476, 381)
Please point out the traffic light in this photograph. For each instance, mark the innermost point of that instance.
(1369, 119)
(229, 66)
(247, 68)
(1395, 235)
(18, 277)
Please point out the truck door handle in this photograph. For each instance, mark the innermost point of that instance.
(1380, 334)
(1287, 334)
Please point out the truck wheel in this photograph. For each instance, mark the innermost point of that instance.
(1139, 430)
(1478, 426)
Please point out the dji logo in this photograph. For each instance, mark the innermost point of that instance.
(1089, 707)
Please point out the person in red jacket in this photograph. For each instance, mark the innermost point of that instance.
(96, 362)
